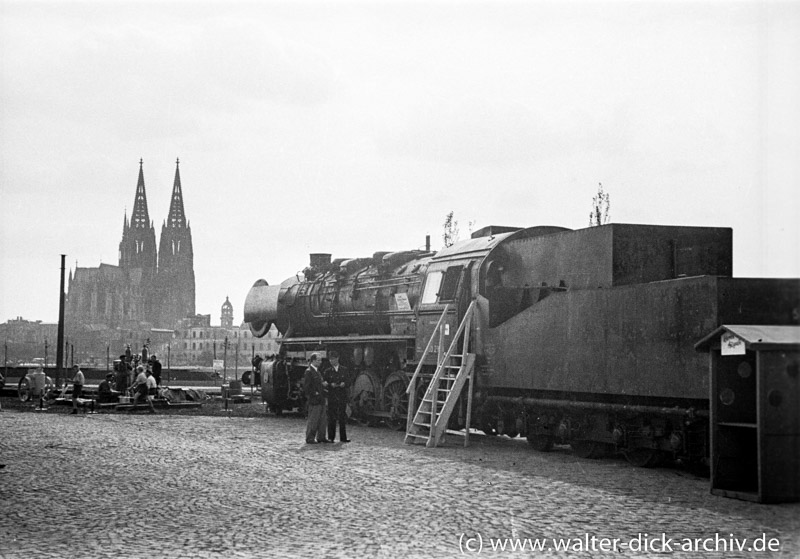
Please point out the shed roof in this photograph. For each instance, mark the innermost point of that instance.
(755, 336)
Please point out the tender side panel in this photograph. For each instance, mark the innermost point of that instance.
(634, 341)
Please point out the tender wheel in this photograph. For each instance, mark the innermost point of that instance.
(488, 420)
(395, 401)
(541, 443)
(588, 449)
(510, 425)
(24, 389)
(644, 457)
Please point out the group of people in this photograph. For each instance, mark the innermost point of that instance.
(139, 375)
(326, 395)
(143, 383)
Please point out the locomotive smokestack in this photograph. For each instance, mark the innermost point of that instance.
(319, 260)
(427, 243)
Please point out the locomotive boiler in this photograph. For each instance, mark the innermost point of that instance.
(582, 336)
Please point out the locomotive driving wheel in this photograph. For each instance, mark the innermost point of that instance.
(395, 400)
(365, 397)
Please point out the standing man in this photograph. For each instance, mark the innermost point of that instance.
(121, 380)
(152, 389)
(156, 369)
(77, 387)
(314, 387)
(337, 378)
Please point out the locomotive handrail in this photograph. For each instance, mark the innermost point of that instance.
(467, 319)
(427, 350)
(376, 285)
(442, 362)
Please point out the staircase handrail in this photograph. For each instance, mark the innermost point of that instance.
(427, 350)
(454, 342)
(437, 375)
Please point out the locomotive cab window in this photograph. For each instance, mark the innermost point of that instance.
(432, 283)
(450, 283)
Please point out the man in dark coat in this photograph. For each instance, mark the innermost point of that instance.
(105, 391)
(121, 380)
(338, 380)
(315, 387)
(155, 366)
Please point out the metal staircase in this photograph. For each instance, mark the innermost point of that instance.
(428, 422)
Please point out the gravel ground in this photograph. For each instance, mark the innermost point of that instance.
(211, 483)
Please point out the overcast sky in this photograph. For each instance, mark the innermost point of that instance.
(355, 127)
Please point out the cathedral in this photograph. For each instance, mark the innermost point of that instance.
(150, 288)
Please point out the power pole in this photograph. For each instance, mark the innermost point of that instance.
(225, 361)
(236, 362)
(60, 341)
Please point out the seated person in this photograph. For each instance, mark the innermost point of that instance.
(141, 389)
(106, 394)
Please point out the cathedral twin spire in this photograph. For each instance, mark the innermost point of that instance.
(176, 215)
(140, 218)
(138, 246)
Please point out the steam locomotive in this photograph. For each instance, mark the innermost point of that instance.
(582, 337)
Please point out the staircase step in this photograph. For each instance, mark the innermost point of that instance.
(426, 425)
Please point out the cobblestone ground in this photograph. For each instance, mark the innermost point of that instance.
(109, 485)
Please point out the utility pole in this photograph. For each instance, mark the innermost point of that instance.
(225, 361)
(60, 341)
(236, 362)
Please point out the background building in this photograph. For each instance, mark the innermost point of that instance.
(26, 340)
(196, 342)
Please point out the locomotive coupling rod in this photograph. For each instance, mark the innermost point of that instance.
(620, 408)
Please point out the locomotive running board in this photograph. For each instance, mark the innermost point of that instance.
(429, 421)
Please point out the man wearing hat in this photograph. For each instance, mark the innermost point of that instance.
(337, 377)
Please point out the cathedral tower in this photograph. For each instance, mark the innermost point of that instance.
(176, 286)
(138, 246)
(149, 287)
